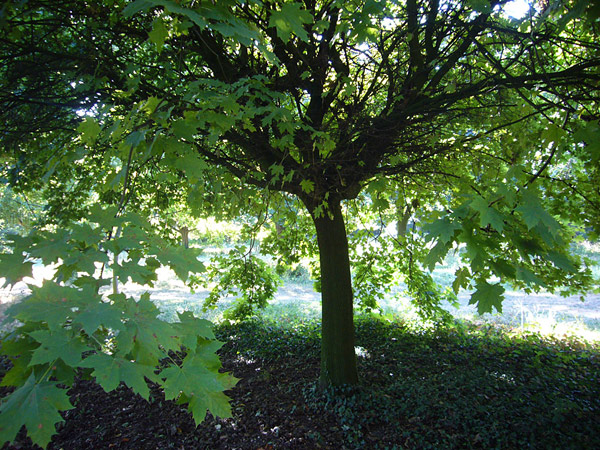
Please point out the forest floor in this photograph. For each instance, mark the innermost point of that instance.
(476, 385)
(453, 388)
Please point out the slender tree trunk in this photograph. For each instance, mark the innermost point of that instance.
(338, 360)
(185, 236)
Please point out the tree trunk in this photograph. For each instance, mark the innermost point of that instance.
(185, 237)
(338, 360)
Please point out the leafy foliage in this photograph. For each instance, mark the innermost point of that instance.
(244, 276)
(68, 328)
(487, 122)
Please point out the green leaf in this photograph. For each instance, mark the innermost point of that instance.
(481, 6)
(206, 352)
(442, 229)
(182, 260)
(534, 213)
(83, 261)
(189, 328)
(462, 279)
(476, 249)
(590, 134)
(35, 405)
(19, 347)
(97, 314)
(528, 277)
(487, 296)
(290, 19)
(192, 165)
(159, 34)
(51, 247)
(18, 373)
(141, 274)
(553, 134)
(110, 371)
(502, 268)
(487, 215)
(137, 6)
(307, 186)
(89, 130)
(57, 344)
(198, 386)
(170, 6)
(105, 216)
(144, 335)
(85, 233)
(561, 261)
(50, 303)
(184, 130)
(13, 268)
(436, 255)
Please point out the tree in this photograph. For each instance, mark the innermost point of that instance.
(489, 123)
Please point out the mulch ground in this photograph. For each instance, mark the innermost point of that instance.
(268, 408)
(269, 412)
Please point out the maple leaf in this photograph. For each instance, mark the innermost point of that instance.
(18, 373)
(462, 278)
(475, 249)
(199, 386)
(52, 247)
(144, 334)
(487, 214)
(110, 371)
(138, 273)
(35, 405)
(436, 254)
(442, 229)
(486, 296)
(57, 344)
(189, 328)
(182, 260)
(19, 348)
(85, 233)
(89, 130)
(528, 277)
(290, 19)
(99, 313)
(534, 213)
(562, 261)
(85, 260)
(50, 303)
(13, 268)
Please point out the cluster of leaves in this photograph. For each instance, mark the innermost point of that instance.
(17, 213)
(67, 328)
(382, 262)
(242, 275)
(535, 256)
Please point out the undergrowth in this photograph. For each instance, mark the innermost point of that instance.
(458, 386)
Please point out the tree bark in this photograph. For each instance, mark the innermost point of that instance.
(185, 237)
(338, 360)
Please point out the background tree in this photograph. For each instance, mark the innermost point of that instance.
(490, 123)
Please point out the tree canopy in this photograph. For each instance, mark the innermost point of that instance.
(483, 125)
